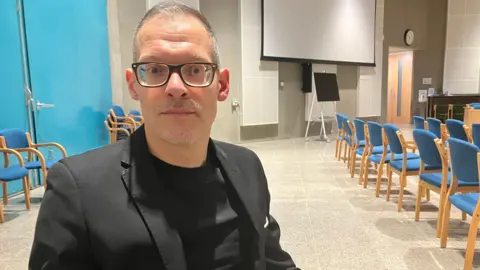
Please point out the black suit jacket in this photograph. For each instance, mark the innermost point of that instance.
(103, 210)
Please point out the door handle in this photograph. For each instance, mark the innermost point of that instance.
(44, 105)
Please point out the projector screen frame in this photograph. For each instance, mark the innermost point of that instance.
(317, 61)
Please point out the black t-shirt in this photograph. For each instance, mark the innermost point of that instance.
(202, 211)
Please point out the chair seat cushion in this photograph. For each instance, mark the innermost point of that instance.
(412, 165)
(435, 179)
(379, 150)
(36, 164)
(465, 202)
(12, 173)
(377, 158)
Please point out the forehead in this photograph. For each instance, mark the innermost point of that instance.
(172, 38)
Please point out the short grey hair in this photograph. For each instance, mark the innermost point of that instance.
(172, 8)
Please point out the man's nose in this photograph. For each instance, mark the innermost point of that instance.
(175, 87)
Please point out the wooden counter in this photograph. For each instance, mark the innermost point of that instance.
(448, 103)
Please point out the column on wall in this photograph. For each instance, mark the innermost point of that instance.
(369, 91)
(259, 98)
(462, 47)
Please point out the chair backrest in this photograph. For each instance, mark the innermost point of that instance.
(339, 121)
(425, 141)
(375, 133)
(455, 129)
(346, 127)
(136, 115)
(14, 138)
(118, 110)
(359, 129)
(476, 134)
(418, 122)
(393, 140)
(434, 126)
(463, 158)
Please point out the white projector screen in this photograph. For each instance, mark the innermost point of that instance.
(319, 31)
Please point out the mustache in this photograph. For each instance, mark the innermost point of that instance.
(180, 104)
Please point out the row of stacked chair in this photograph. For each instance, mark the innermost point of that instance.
(447, 163)
(14, 142)
(121, 125)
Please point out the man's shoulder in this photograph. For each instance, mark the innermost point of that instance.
(237, 151)
(101, 157)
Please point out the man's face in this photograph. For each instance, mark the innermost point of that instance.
(176, 112)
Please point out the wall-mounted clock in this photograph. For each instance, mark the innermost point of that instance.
(409, 37)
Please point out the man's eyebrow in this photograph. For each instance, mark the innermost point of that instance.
(156, 58)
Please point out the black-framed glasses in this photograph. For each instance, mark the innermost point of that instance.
(154, 74)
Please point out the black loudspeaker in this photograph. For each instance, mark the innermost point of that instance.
(307, 77)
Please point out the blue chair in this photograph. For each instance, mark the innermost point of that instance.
(12, 173)
(21, 141)
(375, 146)
(340, 138)
(137, 117)
(456, 129)
(475, 134)
(403, 167)
(116, 132)
(418, 122)
(433, 153)
(120, 120)
(465, 159)
(348, 136)
(435, 126)
(359, 143)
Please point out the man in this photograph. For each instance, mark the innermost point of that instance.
(168, 197)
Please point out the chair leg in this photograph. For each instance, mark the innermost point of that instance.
(26, 192)
(379, 180)
(336, 147)
(5, 193)
(345, 152)
(464, 216)
(403, 179)
(353, 162)
(340, 150)
(445, 223)
(419, 201)
(362, 164)
(471, 241)
(365, 170)
(2, 218)
(389, 185)
(441, 212)
(428, 194)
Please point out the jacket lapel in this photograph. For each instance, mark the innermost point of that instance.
(140, 179)
(242, 185)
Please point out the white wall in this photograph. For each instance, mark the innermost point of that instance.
(192, 3)
(462, 50)
(259, 102)
(369, 91)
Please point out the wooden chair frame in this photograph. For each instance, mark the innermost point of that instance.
(404, 173)
(32, 150)
(113, 131)
(338, 143)
(472, 232)
(127, 121)
(442, 191)
(353, 151)
(25, 180)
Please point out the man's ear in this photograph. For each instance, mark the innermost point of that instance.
(224, 82)
(131, 80)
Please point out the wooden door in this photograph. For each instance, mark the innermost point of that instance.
(399, 88)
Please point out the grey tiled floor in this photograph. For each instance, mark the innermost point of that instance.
(327, 220)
